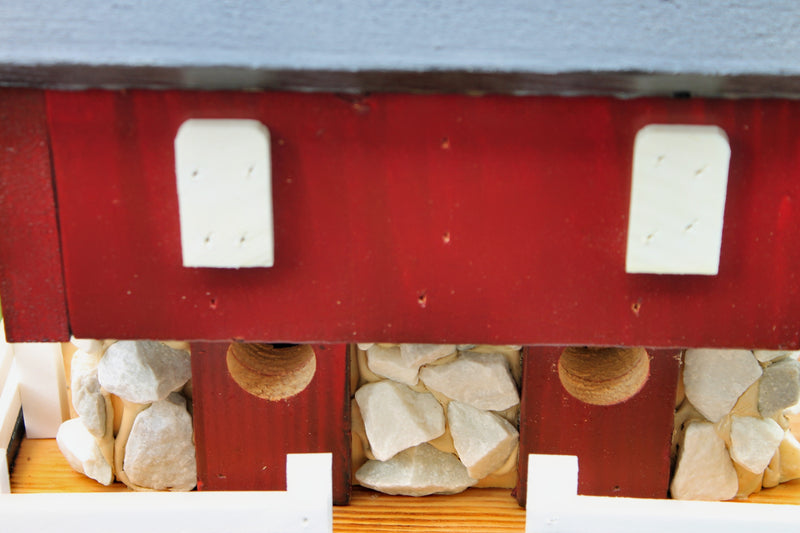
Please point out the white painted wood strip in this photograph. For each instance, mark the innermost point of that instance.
(6, 356)
(42, 388)
(306, 507)
(5, 479)
(553, 505)
(10, 405)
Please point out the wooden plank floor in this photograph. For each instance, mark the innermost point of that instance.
(41, 468)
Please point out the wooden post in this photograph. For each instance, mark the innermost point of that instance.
(624, 449)
(242, 440)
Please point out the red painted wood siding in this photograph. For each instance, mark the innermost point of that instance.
(493, 219)
(242, 440)
(623, 449)
(31, 279)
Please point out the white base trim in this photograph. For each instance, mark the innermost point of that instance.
(553, 505)
(307, 506)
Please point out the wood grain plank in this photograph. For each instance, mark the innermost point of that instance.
(424, 218)
(31, 278)
(40, 467)
(242, 440)
(623, 449)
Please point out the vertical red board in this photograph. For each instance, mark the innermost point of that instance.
(31, 276)
(242, 440)
(623, 449)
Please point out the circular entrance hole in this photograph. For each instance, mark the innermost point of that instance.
(603, 376)
(271, 371)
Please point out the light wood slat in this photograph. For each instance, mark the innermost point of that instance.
(40, 467)
(785, 493)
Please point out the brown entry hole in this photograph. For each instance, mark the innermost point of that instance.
(271, 371)
(603, 376)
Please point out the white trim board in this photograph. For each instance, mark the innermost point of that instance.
(42, 387)
(10, 406)
(553, 505)
(307, 506)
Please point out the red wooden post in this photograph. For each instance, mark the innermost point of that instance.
(242, 440)
(623, 449)
(31, 278)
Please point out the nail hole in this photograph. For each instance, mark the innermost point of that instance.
(195, 173)
(660, 160)
(212, 303)
(603, 376)
(445, 143)
(250, 171)
(242, 240)
(690, 227)
(636, 307)
(207, 239)
(650, 237)
(700, 171)
(271, 371)
(422, 299)
(446, 237)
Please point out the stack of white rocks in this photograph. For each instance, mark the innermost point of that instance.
(435, 419)
(133, 401)
(737, 423)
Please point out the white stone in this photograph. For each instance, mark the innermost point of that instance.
(90, 346)
(82, 452)
(417, 471)
(792, 415)
(87, 398)
(160, 452)
(388, 363)
(178, 345)
(482, 439)
(481, 380)
(767, 356)
(705, 470)
(714, 379)
(779, 387)
(143, 371)
(396, 418)
(754, 441)
(790, 458)
(416, 355)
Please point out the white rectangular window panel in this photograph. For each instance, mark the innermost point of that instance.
(680, 180)
(224, 193)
